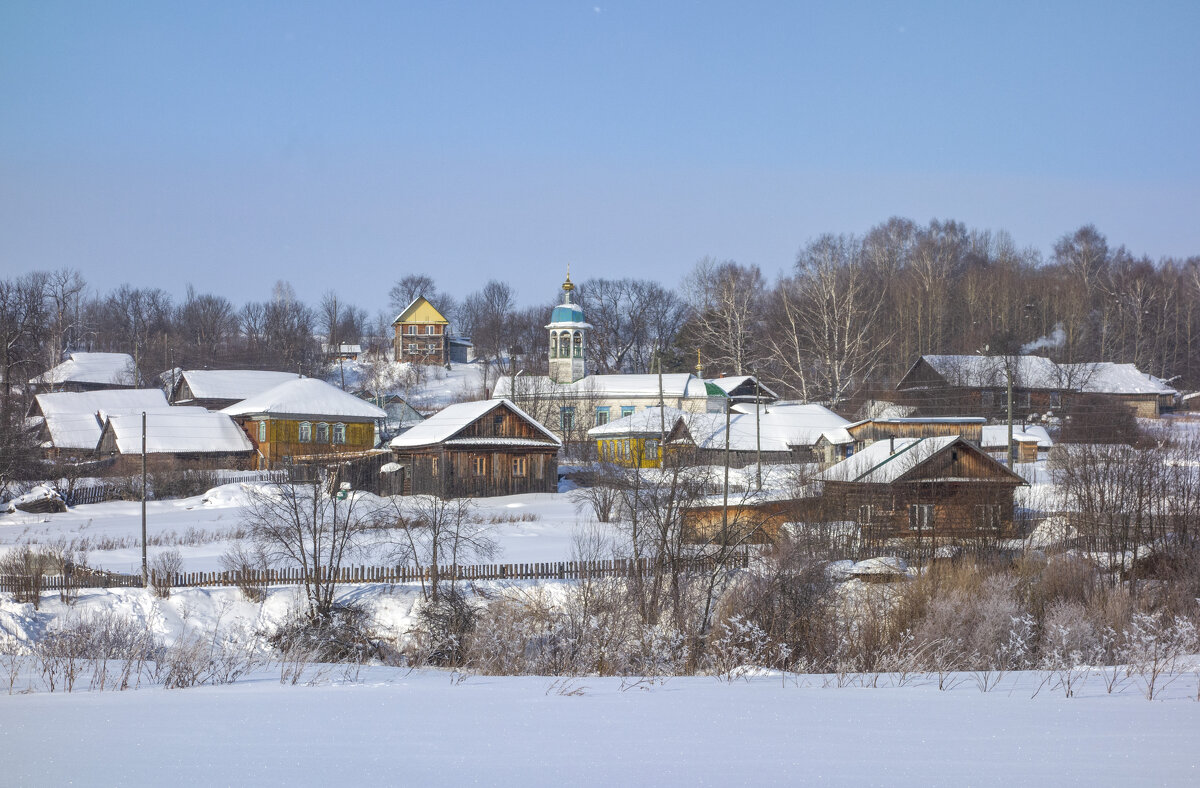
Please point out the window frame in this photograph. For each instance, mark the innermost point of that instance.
(321, 435)
(566, 418)
(520, 466)
(304, 433)
(338, 435)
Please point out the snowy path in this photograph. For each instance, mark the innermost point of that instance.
(422, 730)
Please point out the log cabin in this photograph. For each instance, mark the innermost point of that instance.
(421, 334)
(924, 488)
(478, 449)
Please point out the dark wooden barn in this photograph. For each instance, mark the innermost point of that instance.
(944, 488)
(478, 449)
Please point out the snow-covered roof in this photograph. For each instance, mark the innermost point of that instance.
(838, 436)
(96, 368)
(884, 462)
(178, 430)
(1038, 372)
(306, 397)
(449, 421)
(779, 428)
(648, 421)
(104, 401)
(1029, 372)
(1105, 377)
(234, 384)
(73, 431)
(996, 436)
(674, 385)
(74, 418)
(344, 348)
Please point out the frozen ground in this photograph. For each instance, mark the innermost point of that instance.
(397, 728)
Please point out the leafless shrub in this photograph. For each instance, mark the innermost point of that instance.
(1154, 645)
(165, 565)
(26, 568)
(248, 563)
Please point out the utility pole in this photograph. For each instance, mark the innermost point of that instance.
(145, 562)
(757, 433)
(1012, 455)
(662, 409)
(725, 505)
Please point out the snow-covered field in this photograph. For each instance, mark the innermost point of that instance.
(393, 727)
(529, 528)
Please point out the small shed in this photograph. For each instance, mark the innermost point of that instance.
(478, 449)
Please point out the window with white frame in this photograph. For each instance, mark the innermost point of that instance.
(339, 433)
(920, 516)
(262, 431)
(322, 433)
(306, 432)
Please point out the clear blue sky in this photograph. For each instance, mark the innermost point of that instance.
(342, 145)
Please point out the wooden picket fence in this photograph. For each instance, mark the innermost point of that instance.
(13, 584)
(547, 570)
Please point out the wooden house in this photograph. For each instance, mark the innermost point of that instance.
(305, 418)
(1031, 441)
(978, 386)
(176, 438)
(930, 488)
(478, 449)
(421, 334)
(219, 388)
(89, 372)
(68, 423)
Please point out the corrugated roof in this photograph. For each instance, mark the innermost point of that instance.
(884, 462)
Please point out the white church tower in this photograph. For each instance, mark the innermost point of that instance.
(568, 338)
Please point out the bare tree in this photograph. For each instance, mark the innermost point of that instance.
(726, 300)
(437, 533)
(305, 526)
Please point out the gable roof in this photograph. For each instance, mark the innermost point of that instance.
(74, 419)
(885, 462)
(95, 368)
(178, 430)
(453, 419)
(232, 384)
(1038, 372)
(306, 397)
(420, 311)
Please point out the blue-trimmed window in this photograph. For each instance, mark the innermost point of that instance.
(322, 433)
(602, 416)
(627, 410)
(339, 433)
(566, 418)
(306, 432)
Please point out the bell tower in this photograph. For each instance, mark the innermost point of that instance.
(568, 338)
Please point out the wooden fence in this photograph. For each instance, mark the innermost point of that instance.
(551, 570)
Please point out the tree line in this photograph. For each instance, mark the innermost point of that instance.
(850, 313)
